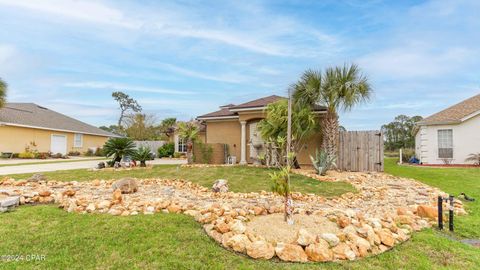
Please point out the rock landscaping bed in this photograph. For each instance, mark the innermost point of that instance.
(385, 212)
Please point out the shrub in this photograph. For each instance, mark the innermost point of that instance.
(177, 155)
(89, 153)
(42, 155)
(407, 154)
(74, 153)
(206, 152)
(166, 150)
(142, 154)
(475, 158)
(26, 155)
(58, 155)
(99, 152)
(117, 148)
(322, 162)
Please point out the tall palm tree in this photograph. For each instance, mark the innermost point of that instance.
(339, 89)
(3, 92)
(189, 132)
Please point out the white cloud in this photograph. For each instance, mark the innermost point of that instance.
(87, 11)
(125, 87)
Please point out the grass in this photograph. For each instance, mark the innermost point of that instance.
(53, 161)
(175, 241)
(241, 178)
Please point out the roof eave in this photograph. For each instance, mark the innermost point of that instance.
(61, 130)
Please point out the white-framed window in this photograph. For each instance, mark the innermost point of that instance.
(445, 143)
(78, 140)
(182, 145)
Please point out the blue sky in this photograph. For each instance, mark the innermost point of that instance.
(182, 59)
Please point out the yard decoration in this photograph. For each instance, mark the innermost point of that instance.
(474, 157)
(337, 88)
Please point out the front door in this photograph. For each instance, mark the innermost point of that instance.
(59, 144)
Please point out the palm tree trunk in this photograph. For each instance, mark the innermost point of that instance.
(288, 209)
(189, 152)
(330, 133)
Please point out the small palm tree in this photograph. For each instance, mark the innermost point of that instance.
(339, 89)
(474, 157)
(142, 154)
(189, 132)
(117, 148)
(3, 92)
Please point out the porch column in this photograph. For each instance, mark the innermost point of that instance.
(243, 143)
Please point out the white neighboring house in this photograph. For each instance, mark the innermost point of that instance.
(449, 136)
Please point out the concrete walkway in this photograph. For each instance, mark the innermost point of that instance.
(23, 161)
(34, 168)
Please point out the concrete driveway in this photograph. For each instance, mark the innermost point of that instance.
(34, 168)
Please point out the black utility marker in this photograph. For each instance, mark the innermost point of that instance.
(450, 214)
(440, 212)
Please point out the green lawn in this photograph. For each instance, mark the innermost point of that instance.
(175, 241)
(241, 178)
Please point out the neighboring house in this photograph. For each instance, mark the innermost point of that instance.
(236, 126)
(449, 136)
(29, 125)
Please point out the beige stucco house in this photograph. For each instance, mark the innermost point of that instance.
(236, 126)
(449, 136)
(30, 125)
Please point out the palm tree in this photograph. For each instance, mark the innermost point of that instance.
(474, 157)
(3, 92)
(189, 132)
(339, 89)
(117, 148)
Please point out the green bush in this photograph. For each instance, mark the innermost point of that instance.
(26, 155)
(99, 152)
(166, 150)
(74, 153)
(177, 155)
(42, 155)
(89, 153)
(142, 154)
(407, 154)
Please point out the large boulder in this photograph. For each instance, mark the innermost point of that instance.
(290, 253)
(426, 211)
(319, 252)
(331, 238)
(8, 203)
(126, 185)
(260, 250)
(238, 242)
(304, 238)
(221, 185)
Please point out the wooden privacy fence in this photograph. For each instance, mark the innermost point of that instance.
(360, 151)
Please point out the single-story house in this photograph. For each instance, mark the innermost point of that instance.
(28, 125)
(449, 136)
(236, 126)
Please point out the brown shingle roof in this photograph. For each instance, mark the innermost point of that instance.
(261, 102)
(33, 115)
(455, 113)
(225, 112)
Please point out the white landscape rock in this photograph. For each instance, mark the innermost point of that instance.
(331, 239)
